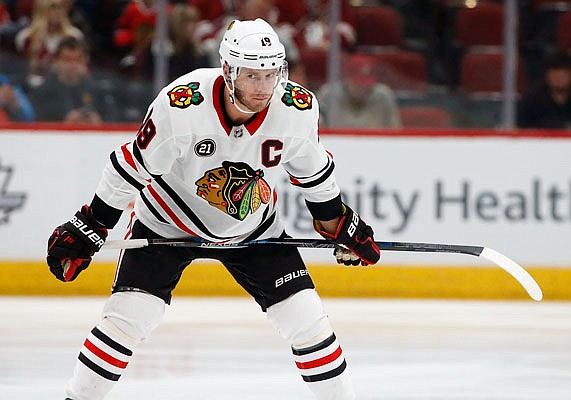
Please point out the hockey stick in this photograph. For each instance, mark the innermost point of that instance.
(507, 264)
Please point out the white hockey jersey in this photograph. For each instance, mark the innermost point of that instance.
(191, 173)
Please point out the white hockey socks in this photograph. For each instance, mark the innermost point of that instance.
(323, 368)
(128, 319)
(302, 321)
(101, 362)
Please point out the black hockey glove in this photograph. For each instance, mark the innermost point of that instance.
(355, 237)
(72, 244)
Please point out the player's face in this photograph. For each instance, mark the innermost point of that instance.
(254, 87)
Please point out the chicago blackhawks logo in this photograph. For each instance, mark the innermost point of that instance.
(183, 96)
(298, 97)
(234, 188)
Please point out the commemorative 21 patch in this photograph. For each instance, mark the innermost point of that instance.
(297, 96)
(183, 96)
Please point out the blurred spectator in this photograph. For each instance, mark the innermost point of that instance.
(548, 104)
(184, 48)
(21, 10)
(187, 51)
(4, 14)
(68, 94)
(362, 101)
(14, 105)
(39, 41)
(291, 12)
(215, 10)
(313, 30)
(8, 29)
(137, 18)
(134, 36)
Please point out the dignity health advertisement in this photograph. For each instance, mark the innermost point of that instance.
(509, 193)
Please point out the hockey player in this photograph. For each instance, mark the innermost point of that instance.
(205, 163)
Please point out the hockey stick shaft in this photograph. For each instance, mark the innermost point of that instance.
(307, 243)
(507, 264)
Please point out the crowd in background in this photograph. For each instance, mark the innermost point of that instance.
(426, 64)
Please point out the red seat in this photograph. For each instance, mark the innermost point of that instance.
(315, 64)
(481, 74)
(403, 71)
(425, 117)
(552, 5)
(564, 32)
(378, 26)
(480, 26)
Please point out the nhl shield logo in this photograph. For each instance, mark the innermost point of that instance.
(298, 97)
(182, 96)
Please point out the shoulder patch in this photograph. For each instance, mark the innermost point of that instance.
(182, 96)
(297, 96)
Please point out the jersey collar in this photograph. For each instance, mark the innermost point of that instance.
(251, 125)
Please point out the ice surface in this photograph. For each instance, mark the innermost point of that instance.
(223, 348)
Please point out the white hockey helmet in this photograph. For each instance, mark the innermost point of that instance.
(252, 44)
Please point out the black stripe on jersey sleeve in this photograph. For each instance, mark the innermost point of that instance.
(185, 208)
(97, 369)
(124, 174)
(319, 180)
(326, 375)
(326, 210)
(314, 348)
(139, 156)
(152, 209)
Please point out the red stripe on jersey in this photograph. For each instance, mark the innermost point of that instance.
(293, 180)
(320, 361)
(128, 157)
(170, 212)
(253, 125)
(216, 99)
(104, 356)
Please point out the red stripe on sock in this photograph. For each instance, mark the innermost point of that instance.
(104, 356)
(320, 361)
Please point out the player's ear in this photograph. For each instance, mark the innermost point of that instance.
(226, 72)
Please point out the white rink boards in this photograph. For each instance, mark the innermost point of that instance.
(223, 348)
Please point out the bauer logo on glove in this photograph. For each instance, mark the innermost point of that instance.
(72, 244)
(87, 232)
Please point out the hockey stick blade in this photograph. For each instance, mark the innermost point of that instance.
(507, 264)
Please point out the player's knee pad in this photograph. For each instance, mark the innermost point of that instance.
(133, 314)
(300, 319)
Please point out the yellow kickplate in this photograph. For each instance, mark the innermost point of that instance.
(385, 281)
